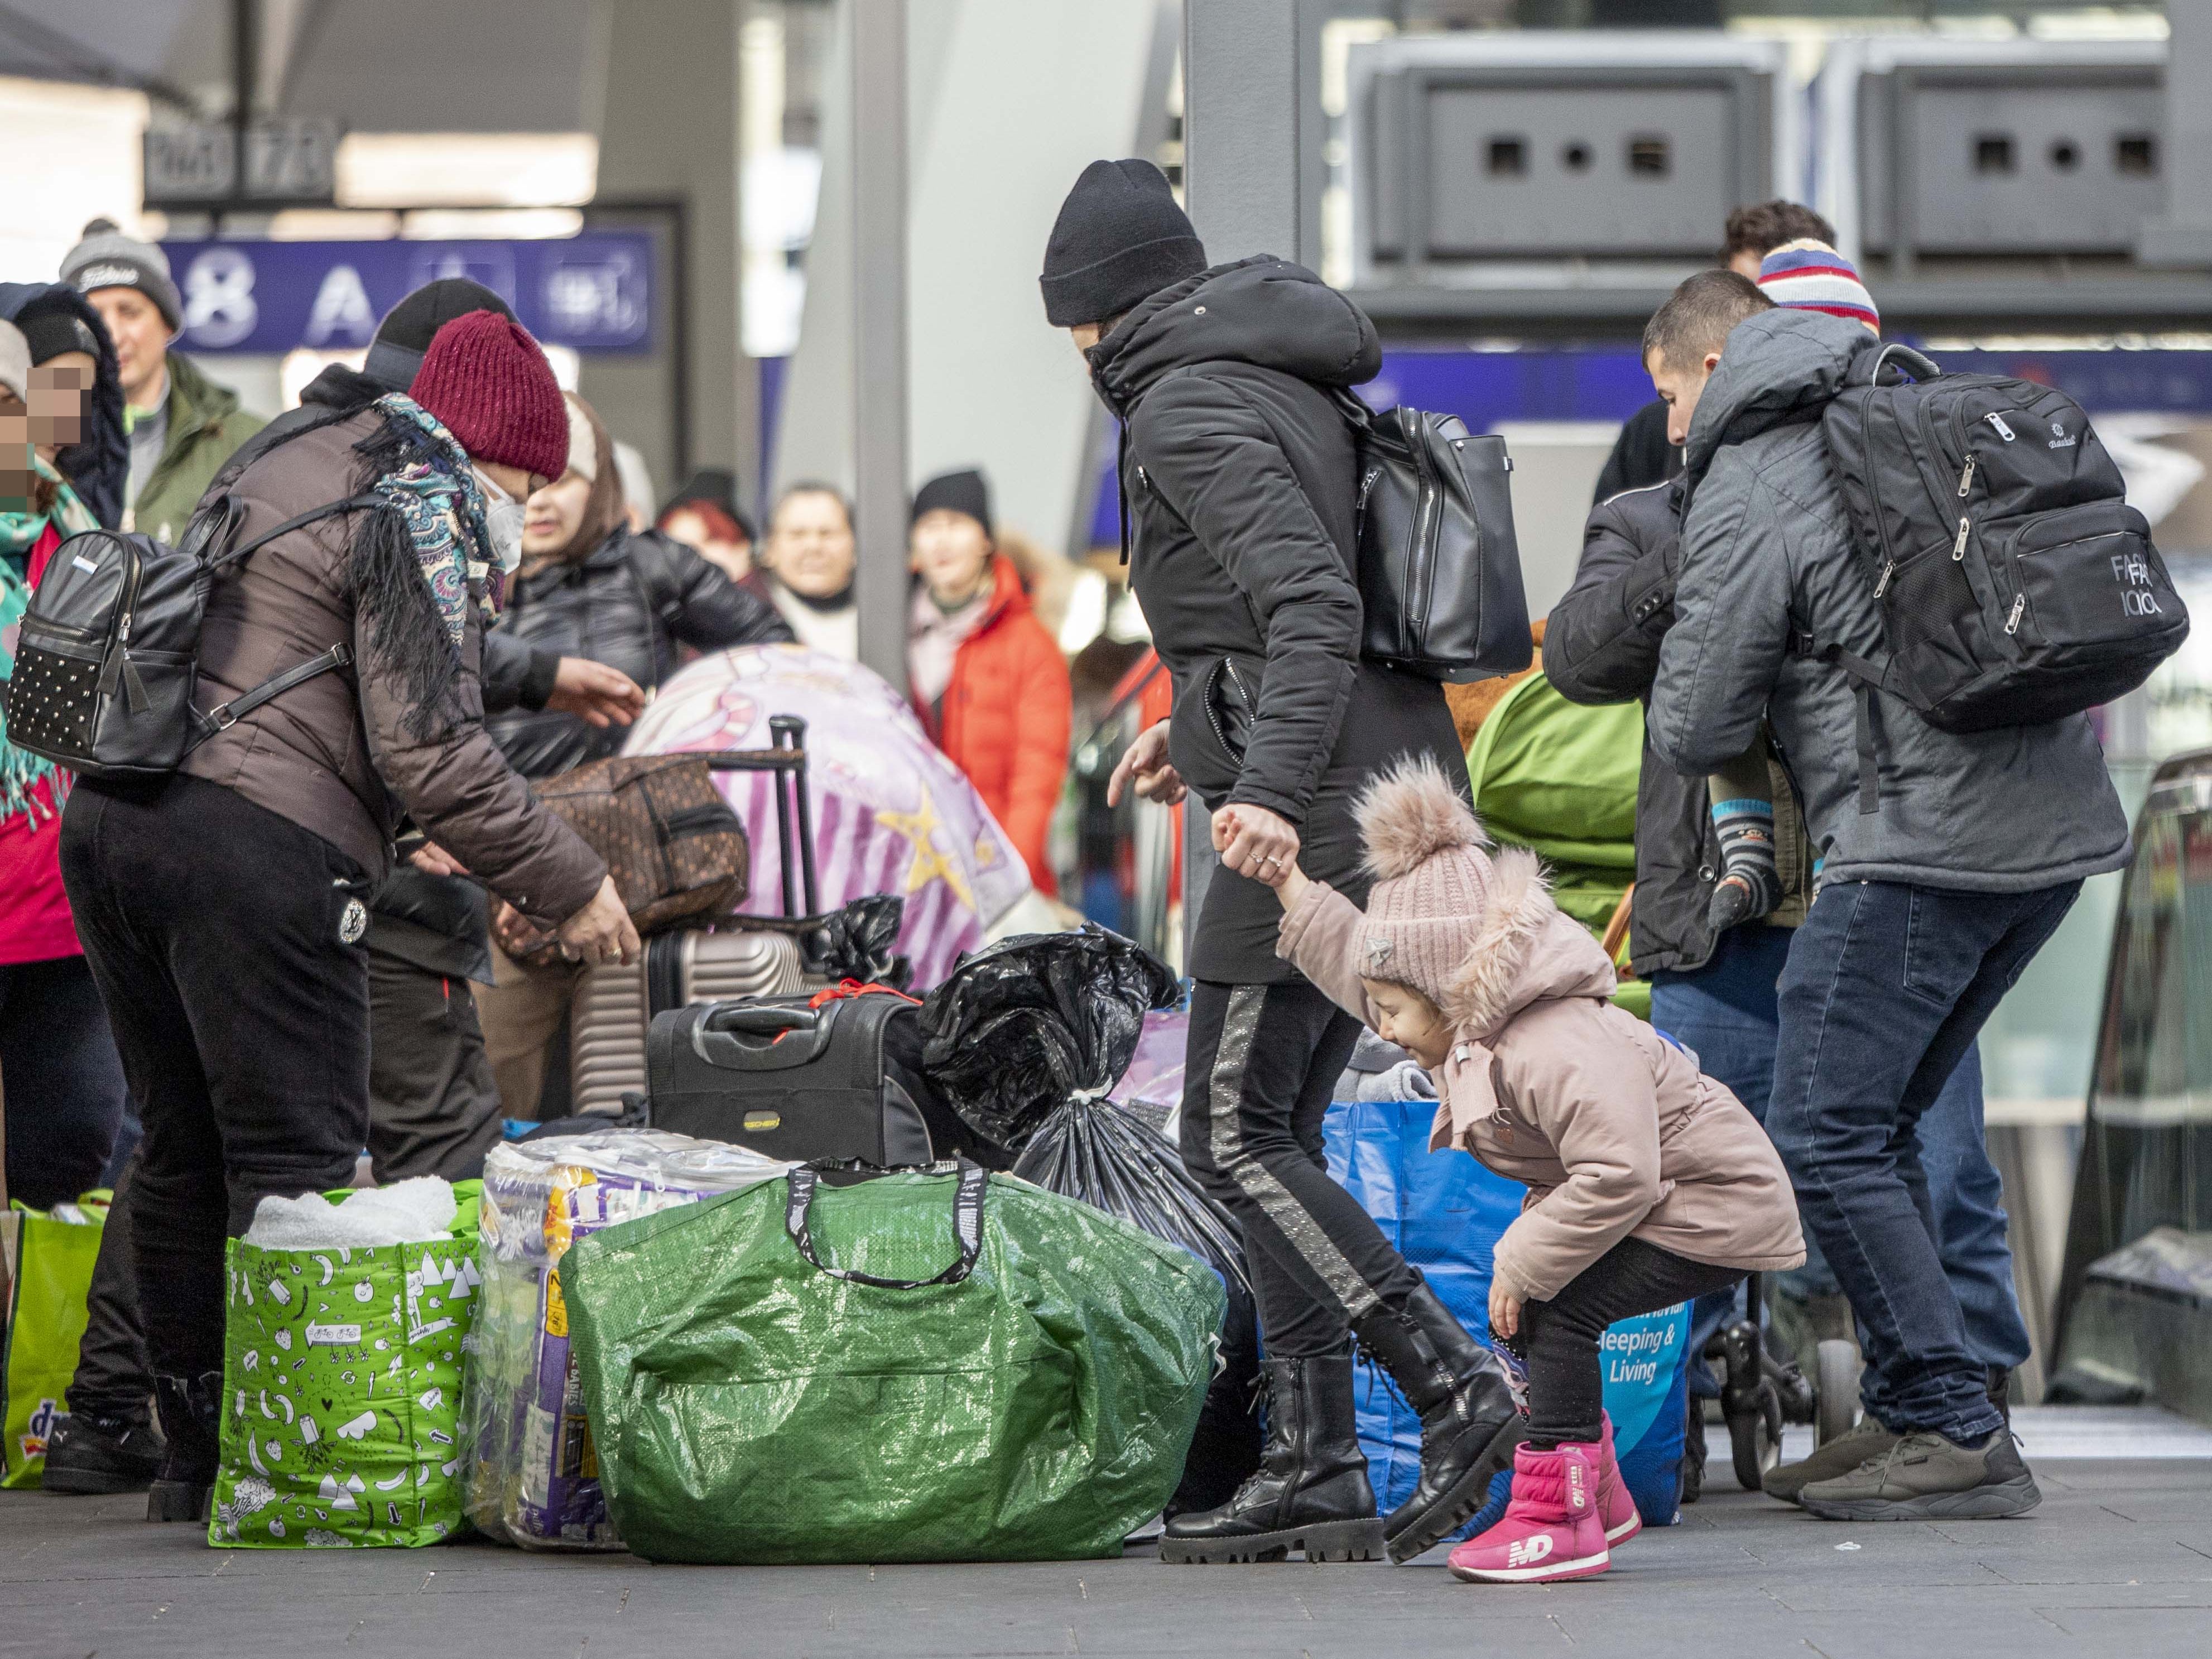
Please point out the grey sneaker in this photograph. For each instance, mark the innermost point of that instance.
(1839, 1456)
(1925, 1477)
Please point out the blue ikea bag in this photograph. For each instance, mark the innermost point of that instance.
(1445, 1212)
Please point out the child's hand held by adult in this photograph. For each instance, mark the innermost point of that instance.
(1256, 843)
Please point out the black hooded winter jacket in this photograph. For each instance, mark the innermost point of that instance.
(97, 464)
(1238, 484)
(629, 603)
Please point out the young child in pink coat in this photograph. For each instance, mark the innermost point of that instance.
(1649, 1183)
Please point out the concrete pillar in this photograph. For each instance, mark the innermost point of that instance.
(2184, 237)
(1243, 110)
(669, 132)
(1243, 106)
(879, 339)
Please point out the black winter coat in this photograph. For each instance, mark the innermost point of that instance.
(1641, 454)
(1238, 486)
(628, 605)
(1600, 646)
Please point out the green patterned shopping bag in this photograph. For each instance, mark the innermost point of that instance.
(342, 1393)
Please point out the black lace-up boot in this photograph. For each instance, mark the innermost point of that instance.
(190, 1408)
(1310, 1492)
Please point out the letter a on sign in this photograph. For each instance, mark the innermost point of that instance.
(341, 307)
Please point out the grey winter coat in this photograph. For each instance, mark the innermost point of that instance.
(1767, 554)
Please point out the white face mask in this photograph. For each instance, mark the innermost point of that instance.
(503, 517)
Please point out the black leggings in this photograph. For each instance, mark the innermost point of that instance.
(1259, 1073)
(1567, 1382)
(64, 1083)
(216, 930)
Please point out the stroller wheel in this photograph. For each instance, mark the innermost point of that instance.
(1837, 1364)
(1755, 1438)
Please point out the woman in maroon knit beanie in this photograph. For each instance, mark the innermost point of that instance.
(489, 384)
(223, 913)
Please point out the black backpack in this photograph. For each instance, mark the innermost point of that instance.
(106, 665)
(1439, 567)
(2016, 585)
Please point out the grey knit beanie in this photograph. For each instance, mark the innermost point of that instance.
(108, 259)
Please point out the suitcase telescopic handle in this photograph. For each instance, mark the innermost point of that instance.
(967, 1229)
(786, 763)
(794, 1037)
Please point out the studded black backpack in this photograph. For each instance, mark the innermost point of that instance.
(106, 664)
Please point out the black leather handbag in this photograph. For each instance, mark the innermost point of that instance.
(1439, 568)
(793, 1080)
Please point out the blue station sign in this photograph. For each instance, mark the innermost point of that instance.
(593, 293)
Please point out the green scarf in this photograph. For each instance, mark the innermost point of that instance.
(21, 771)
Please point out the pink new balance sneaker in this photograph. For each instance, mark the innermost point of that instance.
(1551, 1529)
(1616, 1510)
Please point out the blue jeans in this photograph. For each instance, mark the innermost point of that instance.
(1885, 989)
(1726, 1011)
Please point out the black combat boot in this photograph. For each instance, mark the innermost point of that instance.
(92, 1452)
(1310, 1492)
(1469, 1425)
(189, 1409)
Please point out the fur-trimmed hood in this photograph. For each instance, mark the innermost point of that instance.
(1472, 928)
(1527, 950)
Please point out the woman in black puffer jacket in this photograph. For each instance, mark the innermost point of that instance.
(590, 587)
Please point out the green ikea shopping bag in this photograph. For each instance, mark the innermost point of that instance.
(54, 1254)
(341, 1392)
(917, 1367)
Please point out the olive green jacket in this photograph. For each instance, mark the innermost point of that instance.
(206, 426)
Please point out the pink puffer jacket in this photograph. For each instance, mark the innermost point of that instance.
(1614, 1130)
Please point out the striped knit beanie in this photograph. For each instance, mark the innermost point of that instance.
(1809, 276)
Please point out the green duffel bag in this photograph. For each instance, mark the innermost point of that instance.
(794, 1374)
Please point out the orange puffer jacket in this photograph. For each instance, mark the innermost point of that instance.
(1004, 719)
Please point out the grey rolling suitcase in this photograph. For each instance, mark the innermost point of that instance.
(613, 1005)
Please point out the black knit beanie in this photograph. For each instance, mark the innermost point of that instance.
(960, 492)
(395, 356)
(1120, 238)
(51, 331)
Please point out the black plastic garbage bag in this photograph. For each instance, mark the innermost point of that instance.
(1022, 1026)
(1109, 1158)
(859, 941)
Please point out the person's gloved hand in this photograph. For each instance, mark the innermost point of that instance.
(601, 932)
(1256, 843)
(597, 694)
(1146, 761)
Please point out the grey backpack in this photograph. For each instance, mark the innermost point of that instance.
(107, 662)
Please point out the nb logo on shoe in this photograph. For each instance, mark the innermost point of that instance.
(1528, 1551)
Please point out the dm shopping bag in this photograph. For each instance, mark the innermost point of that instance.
(342, 1383)
(920, 1366)
(1445, 1212)
(54, 1254)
